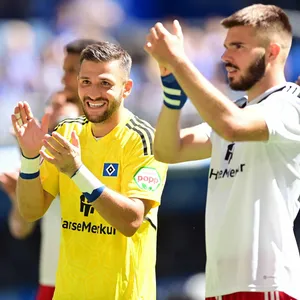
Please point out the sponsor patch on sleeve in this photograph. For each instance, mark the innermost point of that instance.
(147, 179)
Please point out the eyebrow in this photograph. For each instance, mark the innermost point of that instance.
(234, 44)
(99, 77)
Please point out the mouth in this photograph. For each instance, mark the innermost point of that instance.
(231, 70)
(96, 106)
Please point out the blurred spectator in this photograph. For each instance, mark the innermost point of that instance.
(59, 108)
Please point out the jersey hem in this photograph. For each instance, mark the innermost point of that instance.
(248, 289)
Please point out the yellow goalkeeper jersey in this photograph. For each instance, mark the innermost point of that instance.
(96, 261)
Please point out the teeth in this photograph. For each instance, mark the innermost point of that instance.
(231, 69)
(96, 105)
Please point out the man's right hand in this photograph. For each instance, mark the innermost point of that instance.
(28, 131)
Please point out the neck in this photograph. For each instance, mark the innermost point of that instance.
(102, 129)
(268, 81)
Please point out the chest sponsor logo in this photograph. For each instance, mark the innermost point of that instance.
(147, 179)
(229, 153)
(86, 209)
(227, 172)
(89, 227)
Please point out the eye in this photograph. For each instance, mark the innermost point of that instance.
(106, 83)
(85, 81)
(238, 46)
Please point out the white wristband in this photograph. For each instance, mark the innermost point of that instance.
(30, 167)
(88, 183)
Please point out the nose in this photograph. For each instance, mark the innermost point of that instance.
(225, 57)
(94, 92)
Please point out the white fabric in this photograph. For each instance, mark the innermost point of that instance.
(50, 235)
(30, 165)
(252, 202)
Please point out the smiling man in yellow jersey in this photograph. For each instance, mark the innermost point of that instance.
(110, 185)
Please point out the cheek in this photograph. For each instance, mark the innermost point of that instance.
(113, 93)
(80, 91)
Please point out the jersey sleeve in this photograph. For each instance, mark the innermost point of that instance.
(204, 127)
(143, 176)
(282, 116)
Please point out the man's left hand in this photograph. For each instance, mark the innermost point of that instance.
(166, 48)
(65, 155)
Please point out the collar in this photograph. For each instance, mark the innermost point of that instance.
(266, 94)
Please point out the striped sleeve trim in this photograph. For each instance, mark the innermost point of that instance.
(151, 223)
(145, 131)
(80, 120)
(292, 88)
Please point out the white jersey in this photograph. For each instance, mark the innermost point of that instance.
(50, 235)
(252, 201)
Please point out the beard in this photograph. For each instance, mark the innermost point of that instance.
(111, 109)
(254, 74)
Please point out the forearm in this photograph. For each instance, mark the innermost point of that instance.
(213, 106)
(167, 136)
(30, 197)
(123, 213)
(18, 227)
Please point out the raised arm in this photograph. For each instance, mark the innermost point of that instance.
(225, 118)
(172, 145)
(32, 200)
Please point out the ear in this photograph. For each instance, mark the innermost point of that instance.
(273, 51)
(127, 88)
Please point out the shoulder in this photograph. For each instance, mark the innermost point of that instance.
(291, 91)
(140, 134)
(72, 124)
(289, 96)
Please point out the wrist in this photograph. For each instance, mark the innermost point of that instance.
(177, 62)
(90, 186)
(30, 155)
(74, 171)
(30, 167)
(173, 95)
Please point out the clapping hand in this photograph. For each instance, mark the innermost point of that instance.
(28, 131)
(65, 155)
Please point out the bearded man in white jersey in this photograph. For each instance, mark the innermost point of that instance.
(254, 145)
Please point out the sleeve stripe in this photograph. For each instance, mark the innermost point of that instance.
(148, 132)
(173, 92)
(151, 223)
(145, 148)
(145, 131)
(147, 125)
(171, 101)
(80, 120)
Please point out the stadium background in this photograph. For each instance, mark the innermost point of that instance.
(32, 36)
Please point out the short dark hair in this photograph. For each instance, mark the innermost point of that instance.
(261, 17)
(107, 52)
(76, 46)
(269, 21)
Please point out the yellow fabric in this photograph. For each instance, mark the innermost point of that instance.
(96, 261)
